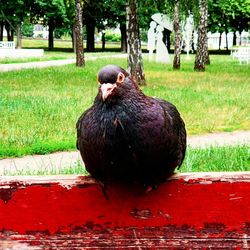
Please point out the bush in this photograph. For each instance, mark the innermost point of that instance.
(59, 32)
(27, 29)
(144, 35)
(112, 37)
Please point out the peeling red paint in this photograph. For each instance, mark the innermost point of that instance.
(193, 208)
(6, 194)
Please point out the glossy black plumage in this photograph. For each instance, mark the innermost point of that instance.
(127, 136)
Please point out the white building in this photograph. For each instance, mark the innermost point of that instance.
(40, 31)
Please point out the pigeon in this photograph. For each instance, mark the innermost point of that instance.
(128, 137)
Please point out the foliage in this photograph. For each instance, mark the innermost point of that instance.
(39, 107)
(52, 11)
(229, 15)
(59, 32)
(14, 12)
(27, 29)
(112, 37)
(224, 15)
(115, 13)
(146, 8)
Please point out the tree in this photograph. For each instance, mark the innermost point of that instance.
(69, 23)
(206, 52)
(239, 16)
(135, 64)
(201, 52)
(177, 43)
(12, 15)
(53, 13)
(229, 15)
(7, 20)
(1, 30)
(94, 16)
(79, 35)
(116, 11)
(180, 9)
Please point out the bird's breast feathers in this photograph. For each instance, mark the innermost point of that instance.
(135, 123)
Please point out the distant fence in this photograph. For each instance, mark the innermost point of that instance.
(7, 45)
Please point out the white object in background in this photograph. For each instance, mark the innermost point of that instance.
(162, 54)
(151, 40)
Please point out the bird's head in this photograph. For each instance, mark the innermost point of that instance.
(113, 82)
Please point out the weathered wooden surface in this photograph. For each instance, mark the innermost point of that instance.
(190, 211)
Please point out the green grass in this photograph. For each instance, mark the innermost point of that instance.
(65, 44)
(39, 107)
(48, 56)
(77, 169)
(211, 101)
(53, 55)
(217, 159)
(62, 50)
(196, 160)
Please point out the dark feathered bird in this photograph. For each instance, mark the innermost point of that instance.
(128, 136)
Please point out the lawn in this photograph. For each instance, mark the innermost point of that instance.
(227, 158)
(62, 50)
(54, 55)
(39, 107)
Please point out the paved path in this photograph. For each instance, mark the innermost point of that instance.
(44, 64)
(55, 161)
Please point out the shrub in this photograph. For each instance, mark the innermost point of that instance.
(27, 29)
(112, 37)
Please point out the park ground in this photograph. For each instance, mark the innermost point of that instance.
(36, 103)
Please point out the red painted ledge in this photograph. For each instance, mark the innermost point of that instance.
(198, 210)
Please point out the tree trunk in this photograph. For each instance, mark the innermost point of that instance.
(234, 38)
(79, 35)
(90, 28)
(199, 64)
(135, 64)
(207, 58)
(103, 40)
(177, 43)
(123, 38)
(10, 33)
(220, 40)
(240, 31)
(51, 35)
(19, 36)
(1, 31)
(193, 49)
(226, 40)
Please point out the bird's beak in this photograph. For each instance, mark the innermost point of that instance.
(107, 89)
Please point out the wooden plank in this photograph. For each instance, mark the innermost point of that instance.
(198, 210)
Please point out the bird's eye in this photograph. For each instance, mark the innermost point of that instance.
(120, 78)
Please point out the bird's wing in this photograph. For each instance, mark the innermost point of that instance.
(78, 131)
(178, 125)
(81, 123)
